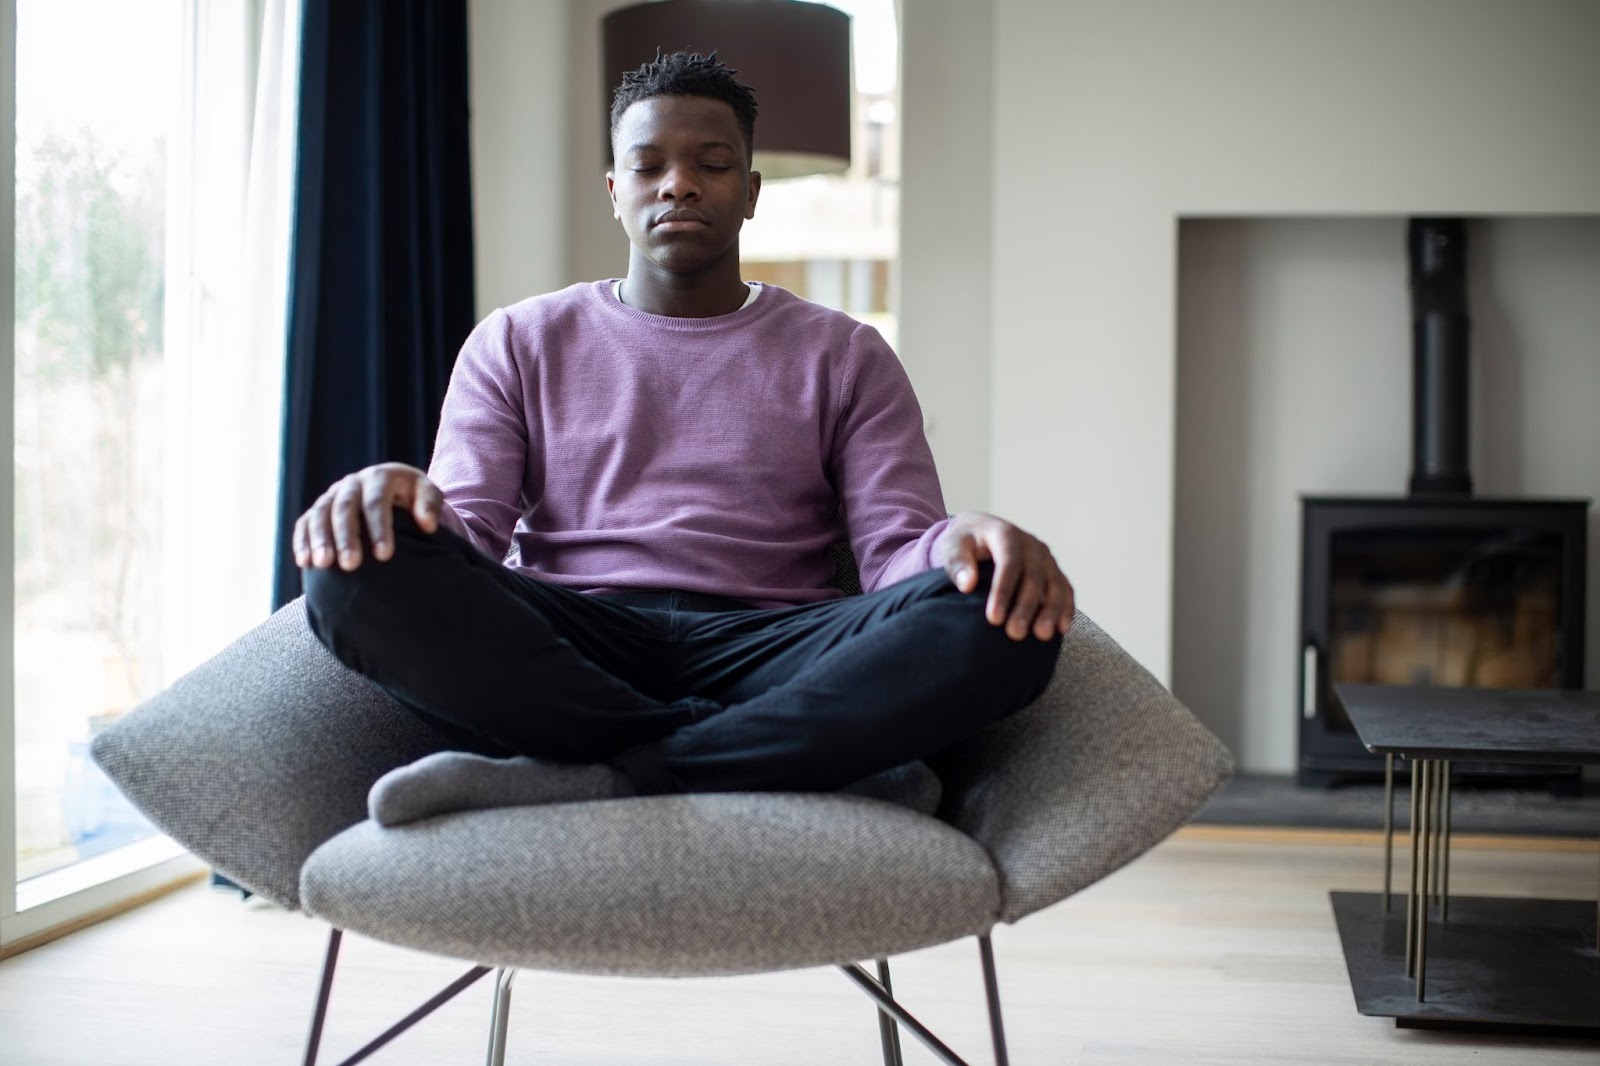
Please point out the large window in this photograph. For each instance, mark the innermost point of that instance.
(91, 196)
(148, 248)
(834, 238)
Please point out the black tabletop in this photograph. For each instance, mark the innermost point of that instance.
(1507, 725)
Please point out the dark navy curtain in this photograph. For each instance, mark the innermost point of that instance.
(381, 294)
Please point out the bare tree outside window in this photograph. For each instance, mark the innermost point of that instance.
(93, 110)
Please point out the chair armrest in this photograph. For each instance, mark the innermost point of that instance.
(260, 754)
(1099, 769)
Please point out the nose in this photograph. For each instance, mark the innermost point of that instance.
(679, 183)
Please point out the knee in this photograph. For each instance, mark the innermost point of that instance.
(1030, 661)
(336, 607)
(1021, 668)
(343, 605)
(1015, 672)
(329, 594)
(964, 614)
(1036, 665)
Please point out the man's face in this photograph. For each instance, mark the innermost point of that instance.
(682, 186)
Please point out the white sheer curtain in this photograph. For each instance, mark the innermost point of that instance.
(230, 215)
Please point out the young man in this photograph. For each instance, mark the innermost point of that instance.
(614, 577)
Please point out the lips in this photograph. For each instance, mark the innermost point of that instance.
(680, 218)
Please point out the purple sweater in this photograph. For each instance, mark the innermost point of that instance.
(595, 446)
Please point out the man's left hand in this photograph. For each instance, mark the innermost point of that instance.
(1029, 592)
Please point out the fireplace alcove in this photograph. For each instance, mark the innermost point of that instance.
(1294, 379)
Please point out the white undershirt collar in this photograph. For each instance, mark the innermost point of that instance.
(754, 286)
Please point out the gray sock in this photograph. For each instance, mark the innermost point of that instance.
(450, 781)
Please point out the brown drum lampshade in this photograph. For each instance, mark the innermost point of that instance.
(796, 56)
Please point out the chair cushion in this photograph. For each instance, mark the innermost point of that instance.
(661, 886)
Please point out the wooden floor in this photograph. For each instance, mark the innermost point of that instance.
(1206, 951)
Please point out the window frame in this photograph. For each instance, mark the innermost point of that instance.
(8, 336)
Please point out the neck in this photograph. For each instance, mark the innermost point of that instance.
(717, 291)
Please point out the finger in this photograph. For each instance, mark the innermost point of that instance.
(301, 543)
(377, 503)
(345, 516)
(319, 531)
(1069, 609)
(1003, 587)
(1055, 598)
(428, 505)
(1045, 623)
(962, 563)
(1030, 593)
(1048, 619)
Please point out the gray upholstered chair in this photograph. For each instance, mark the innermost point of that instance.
(260, 761)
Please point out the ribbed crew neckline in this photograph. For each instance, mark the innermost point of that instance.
(602, 291)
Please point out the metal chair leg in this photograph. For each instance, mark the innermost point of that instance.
(319, 1013)
(888, 1028)
(991, 988)
(870, 985)
(501, 1018)
(880, 994)
(890, 1013)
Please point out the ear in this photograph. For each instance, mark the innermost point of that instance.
(611, 191)
(755, 193)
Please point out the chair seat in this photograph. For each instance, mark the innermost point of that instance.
(666, 886)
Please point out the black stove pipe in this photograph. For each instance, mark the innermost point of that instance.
(1440, 335)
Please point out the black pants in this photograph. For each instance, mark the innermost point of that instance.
(683, 692)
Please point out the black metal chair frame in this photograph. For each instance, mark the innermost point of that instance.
(891, 1014)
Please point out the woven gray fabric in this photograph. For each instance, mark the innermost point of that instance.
(1098, 770)
(260, 754)
(663, 886)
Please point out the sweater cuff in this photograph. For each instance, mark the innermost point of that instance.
(915, 558)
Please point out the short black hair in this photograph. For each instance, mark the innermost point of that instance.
(689, 74)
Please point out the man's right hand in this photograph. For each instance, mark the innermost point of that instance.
(331, 530)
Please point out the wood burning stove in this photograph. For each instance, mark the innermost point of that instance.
(1431, 590)
(1438, 587)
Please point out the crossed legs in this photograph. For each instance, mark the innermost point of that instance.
(800, 698)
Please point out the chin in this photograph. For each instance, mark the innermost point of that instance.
(683, 263)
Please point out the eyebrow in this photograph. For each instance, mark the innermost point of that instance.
(646, 147)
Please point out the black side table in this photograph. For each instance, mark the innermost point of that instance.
(1525, 964)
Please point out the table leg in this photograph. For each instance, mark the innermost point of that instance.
(1411, 885)
(1426, 829)
(1436, 817)
(1388, 827)
(1444, 893)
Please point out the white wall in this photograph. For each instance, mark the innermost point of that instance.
(1294, 376)
(947, 186)
(596, 245)
(519, 98)
(1115, 118)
